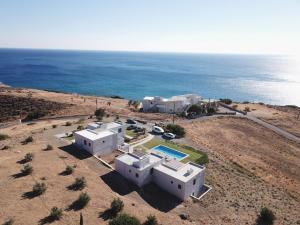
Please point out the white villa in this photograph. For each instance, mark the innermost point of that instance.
(177, 178)
(101, 139)
(175, 104)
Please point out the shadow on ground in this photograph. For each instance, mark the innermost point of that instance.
(47, 219)
(76, 152)
(151, 193)
(30, 195)
(107, 215)
(19, 175)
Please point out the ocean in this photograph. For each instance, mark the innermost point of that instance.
(271, 79)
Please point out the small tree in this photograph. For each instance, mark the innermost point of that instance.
(80, 127)
(27, 169)
(56, 213)
(68, 124)
(39, 188)
(48, 147)
(151, 220)
(116, 206)
(125, 219)
(78, 184)
(3, 137)
(28, 157)
(266, 217)
(176, 129)
(9, 222)
(54, 126)
(227, 101)
(27, 140)
(69, 170)
(83, 200)
(99, 113)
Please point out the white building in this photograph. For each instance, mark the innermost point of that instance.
(175, 104)
(101, 139)
(179, 179)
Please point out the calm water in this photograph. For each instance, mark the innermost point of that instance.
(271, 79)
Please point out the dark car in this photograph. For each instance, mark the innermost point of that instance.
(131, 127)
(138, 129)
(131, 121)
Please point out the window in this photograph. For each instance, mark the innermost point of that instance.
(171, 182)
(136, 175)
(84, 142)
(179, 186)
(129, 171)
(103, 141)
(89, 144)
(120, 130)
(151, 171)
(151, 103)
(194, 181)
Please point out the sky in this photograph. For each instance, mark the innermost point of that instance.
(215, 26)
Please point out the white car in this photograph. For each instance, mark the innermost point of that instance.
(157, 130)
(169, 135)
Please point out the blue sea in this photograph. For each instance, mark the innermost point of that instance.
(133, 75)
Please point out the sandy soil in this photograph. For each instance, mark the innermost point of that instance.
(285, 117)
(250, 167)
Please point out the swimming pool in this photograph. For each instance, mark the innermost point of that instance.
(170, 151)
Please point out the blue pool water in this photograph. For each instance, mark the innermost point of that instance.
(171, 152)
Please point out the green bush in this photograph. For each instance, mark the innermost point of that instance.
(27, 140)
(78, 184)
(266, 217)
(227, 101)
(80, 127)
(247, 109)
(48, 147)
(151, 220)
(69, 170)
(56, 213)
(116, 206)
(27, 169)
(83, 200)
(39, 188)
(54, 126)
(203, 159)
(100, 113)
(9, 222)
(3, 137)
(68, 124)
(176, 129)
(28, 157)
(124, 219)
(34, 115)
(195, 109)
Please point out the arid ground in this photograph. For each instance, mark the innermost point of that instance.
(250, 167)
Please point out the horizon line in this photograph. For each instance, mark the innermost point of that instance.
(147, 51)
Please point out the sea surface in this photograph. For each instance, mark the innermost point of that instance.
(133, 75)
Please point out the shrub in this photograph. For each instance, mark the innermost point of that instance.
(5, 147)
(3, 137)
(99, 113)
(49, 147)
(116, 206)
(266, 217)
(34, 115)
(9, 222)
(28, 157)
(27, 169)
(83, 200)
(195, 109)
(27, 140)
(68, 124)
(39, 188)
(56, 213)
(78, 184)
(80, 127)
(227, 101)
(69, 170)
(247, 109)
(203, 159)
(54, 126)
(125, 219)
(151, 220)
(235, 106)
(176, 129)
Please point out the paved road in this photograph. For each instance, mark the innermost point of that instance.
(275, 129)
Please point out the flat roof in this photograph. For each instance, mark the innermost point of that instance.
(184, 173)
(129, 159)
(94, 134)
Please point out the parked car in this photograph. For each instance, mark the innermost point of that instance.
(157, 130)
(131, 121)
(138, 129)
(132, 127)
(169, 135)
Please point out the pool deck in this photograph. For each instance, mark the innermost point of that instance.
(164, 154)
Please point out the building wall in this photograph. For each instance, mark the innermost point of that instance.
(105, 145)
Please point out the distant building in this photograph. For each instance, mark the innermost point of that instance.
(177, 178)
(101, 139)
(175, 104)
